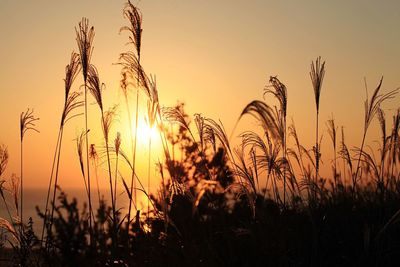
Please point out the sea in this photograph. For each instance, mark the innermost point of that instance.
(35, 198)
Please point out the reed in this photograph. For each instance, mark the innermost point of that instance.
(106, 121)
(298, 155)
(27, 122)
(371, 107)
(134, 17)
(383, 151)
(151, 117)
(332, 129)
(317, 74)
(394, 147)
(117, 146)
(273, 124)
(94, 157)
(71, 103)
(3, 164)
(95, 87)
(346, 156)
(279, 90)
(84, 39)
(80, 139)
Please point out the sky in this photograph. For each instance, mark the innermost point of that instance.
(215, 56)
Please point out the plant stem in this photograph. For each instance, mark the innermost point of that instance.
(316, 158)
(56, 180)
(49, 187)
(115, 181)
(21, 189)
(358, 163)
(110, 180)
(133, 180)
(87, 164)
(284, 156)
(148, 179)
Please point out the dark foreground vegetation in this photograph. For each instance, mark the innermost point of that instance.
(262, 202)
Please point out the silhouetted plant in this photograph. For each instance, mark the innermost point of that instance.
(317, 74)
(71, 103)
(279, 90)
(27, 122)
(371, 108)
(3, 164)
(332, 133)
(107, 117)
(132, 67)
(95, 157)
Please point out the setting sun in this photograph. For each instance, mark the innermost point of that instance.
(145, 133)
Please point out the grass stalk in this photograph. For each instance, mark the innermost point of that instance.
(84, 38)
(317, 76)
(27, 122)
(371, 107)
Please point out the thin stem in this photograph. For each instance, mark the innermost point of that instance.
(148, 179)
(56, 181)
(316, 158)
(49, 187)
(97, 180)
(131, 138)
(87, 164)
(109, 171)
(133, 180)
(335, 170)
(358, 163)
(285, 169)
(21, 189)
(115, 180)
(8, 209)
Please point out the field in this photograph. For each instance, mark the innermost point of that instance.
(263, 201)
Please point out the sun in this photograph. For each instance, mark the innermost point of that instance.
(145, 132)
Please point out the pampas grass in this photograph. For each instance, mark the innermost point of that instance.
(84, 39)
(3, 164)
(131, 65)
(371, 108)
(332, 129)
(71, 103)
(317, 74)
(27, 122)
(279, 90)
(94, 157)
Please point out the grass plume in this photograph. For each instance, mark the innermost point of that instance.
(317, 74)
(27, 123)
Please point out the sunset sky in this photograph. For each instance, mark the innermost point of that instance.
(215, 56)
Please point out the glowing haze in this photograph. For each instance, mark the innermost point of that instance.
(216, 56)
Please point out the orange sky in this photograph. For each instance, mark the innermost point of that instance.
(216, 56)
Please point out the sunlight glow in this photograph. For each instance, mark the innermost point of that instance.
(145, 132)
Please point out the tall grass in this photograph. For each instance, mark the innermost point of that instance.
(95, 158)
(332, 131)
(84, 39)
(71, 103)
(3, 164)
(152, 105)
(371, 107)
(317, 74)
(27, 122)
(133, 15)
(95, 87)
(279, 90)
(215, 181)
(117, 146)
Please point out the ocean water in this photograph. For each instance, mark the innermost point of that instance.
(36, 198)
